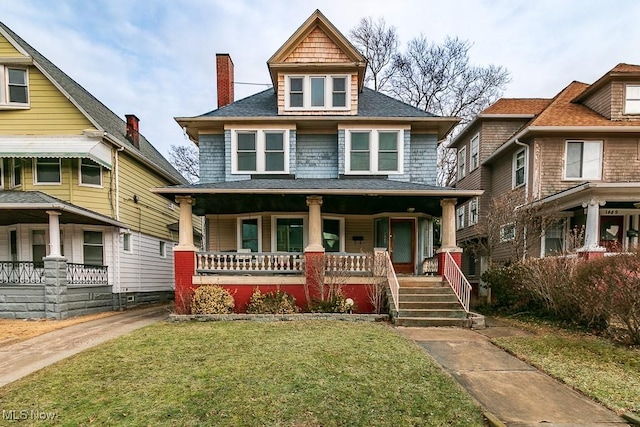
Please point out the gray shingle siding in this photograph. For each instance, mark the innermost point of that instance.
(341, 152)
(423, 159)
(212, 158)
(406, 147)
(292, 152)
(317, 156)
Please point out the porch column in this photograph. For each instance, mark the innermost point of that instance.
(184, 257)
(54, 234)
(315, 224)
(448, 235)
(591, 248)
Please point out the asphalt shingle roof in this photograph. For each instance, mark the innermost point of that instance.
(103, 116)
(517, 106)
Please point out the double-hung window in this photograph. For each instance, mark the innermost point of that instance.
(250, 234)
(462, 163)
(460, 218)
(632, 99)
(260, 151)
(375, 151)
(90, 173)
(16, 172)
(508, 232)
(316, 92)
(583, 160)
(14, 87)
(47, 171)
(474, 158)
(473, 211)
(519, 168)
(339, 92)
(93, 248)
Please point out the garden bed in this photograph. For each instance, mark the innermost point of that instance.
(279, 317)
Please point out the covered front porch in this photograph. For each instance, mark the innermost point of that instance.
(266, 233)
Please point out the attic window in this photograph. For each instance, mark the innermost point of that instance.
(632, 99)
(14, 87)
(316, 92)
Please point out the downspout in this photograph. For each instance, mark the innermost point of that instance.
(526, 191)
(117, 189)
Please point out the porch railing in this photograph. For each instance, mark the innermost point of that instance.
(21, 272)
(348, 262)
(240, 262)
(84, 274)
(392, 279)
(457, 281)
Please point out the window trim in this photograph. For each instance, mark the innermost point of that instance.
(239, 231)
(374, 151)
(627, 99)
(5, 104)
(564, 224)
(260, 150)
(342, 242)
(95, 165)
(474, 153)
(103, 233)
(35, 172)
(514, 168)
(582, 177)
(162, 248)
(125, 236)
(460, 217)
(306, 92)
(1, 173)
(473, 220)
(512, 236)
(461, 169)
(274, 230)
(16, 162)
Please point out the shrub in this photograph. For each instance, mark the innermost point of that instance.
(336, 304)
(212, 300)
(507, 290)
(275, 302)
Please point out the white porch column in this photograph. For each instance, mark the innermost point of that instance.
(592, 230)
(185, 227)
(54, 234)
(448, 225)
(315, 224)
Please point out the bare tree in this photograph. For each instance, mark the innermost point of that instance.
(379, 44)
(186, 161)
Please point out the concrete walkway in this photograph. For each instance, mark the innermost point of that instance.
(22, 358)
(513, 391)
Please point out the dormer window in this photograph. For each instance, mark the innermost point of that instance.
(632, 99)
(14, 87)
(316, 92)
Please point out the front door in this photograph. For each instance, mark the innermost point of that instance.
(402, 245)
(611, 228)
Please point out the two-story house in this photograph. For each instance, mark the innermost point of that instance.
(576, 155)
(79, 229)
(317, 167)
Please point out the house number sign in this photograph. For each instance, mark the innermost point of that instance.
(611, 212)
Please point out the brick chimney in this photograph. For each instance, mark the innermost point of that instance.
(224, 72)
(133, 133)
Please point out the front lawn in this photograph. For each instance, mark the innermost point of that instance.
(596, 367)
(248, 374)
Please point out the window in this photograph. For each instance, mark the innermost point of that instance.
(260, 151)
(462, 163)
(507, 232)
(126, 242)
(1, 174)
(632, 99)
(474, 160)
(519, 165)
(38, 245)
(331, 234)
(14, 87)
(289, 234)
(473, 211)
(460, 217)
(92, 248)
(250, 234)
(13, 244)
(316, 92)
(47, 171)
(162, 249)
(90, 173)
(373, 151)
(554, 239)
(16, 172)
(583, 160)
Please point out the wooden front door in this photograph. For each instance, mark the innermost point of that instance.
(402, 245)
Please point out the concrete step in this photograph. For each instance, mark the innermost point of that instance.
(433, 290)
(428, 298)
(412, 282)
(433, 313)
(434, 321)
(436, 305)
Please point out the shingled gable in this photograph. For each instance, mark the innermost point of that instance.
(317, 28)
(97, 113)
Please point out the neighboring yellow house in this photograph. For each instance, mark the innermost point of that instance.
(74, 186)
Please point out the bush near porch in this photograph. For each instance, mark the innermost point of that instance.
(601, 295)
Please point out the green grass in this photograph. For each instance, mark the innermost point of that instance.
(249, 374)
(596, 367)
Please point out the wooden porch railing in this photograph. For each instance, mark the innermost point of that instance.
(457, 281)
(392, 279)
(348, 262)
(241, 262)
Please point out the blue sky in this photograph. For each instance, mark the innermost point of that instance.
(156, 59)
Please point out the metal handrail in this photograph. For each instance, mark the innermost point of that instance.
(394, 285)
(460, 285)
(21, 272)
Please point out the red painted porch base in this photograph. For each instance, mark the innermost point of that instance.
(185, 269)
(587, 255)
(457, 257)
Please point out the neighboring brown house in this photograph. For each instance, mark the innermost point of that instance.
(577, 153)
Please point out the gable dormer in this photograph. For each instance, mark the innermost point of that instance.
(317, 71)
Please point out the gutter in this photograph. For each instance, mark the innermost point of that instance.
(345, 192)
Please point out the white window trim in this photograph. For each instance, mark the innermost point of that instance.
(104, 246)
(124, 236)
(373, 151)
(162, 248)
(239, 231)
(626, 99)
(260, 151)
(514, 168)
(274, 230)
(475, 141)
(581, 178)
(473, 221)
(460, 217)
(1, 173)
(46, 241)
(12, 165)
(543, 239)
(342, 234)
(461, 166)
(35, 173)
(306, 92)
(81, 184)
(504, 228)
(4, 88)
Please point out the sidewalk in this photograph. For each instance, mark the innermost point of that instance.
(24, 357)
(512, 391)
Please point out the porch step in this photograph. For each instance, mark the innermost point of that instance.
(435, 305)
(431, 290)
(432, 313)
(419, 282)
(426, 297)
(427, 301)
(432, 321)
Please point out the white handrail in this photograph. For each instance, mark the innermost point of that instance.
(457, 281)
(393, 282)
